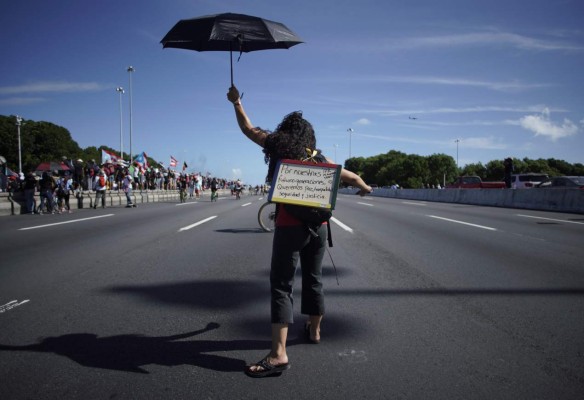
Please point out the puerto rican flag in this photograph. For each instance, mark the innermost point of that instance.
(173, 161)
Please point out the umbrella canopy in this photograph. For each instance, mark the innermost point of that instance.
(51, 166)
(228, 32)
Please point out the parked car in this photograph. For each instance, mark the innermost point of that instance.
(563, 182)
(474, 182)
(527, 181)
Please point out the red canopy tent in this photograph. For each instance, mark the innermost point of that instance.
(51, 166)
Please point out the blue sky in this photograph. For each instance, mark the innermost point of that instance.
(503, 77)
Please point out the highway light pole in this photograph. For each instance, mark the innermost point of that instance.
(130, 71)
(120, 90)
(457, 141)
(350, 130)
(18, 123)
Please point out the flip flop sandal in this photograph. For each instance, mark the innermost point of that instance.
(307, 334)
(267, 369)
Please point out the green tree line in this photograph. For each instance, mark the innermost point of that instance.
(412, 171)
(43, 141)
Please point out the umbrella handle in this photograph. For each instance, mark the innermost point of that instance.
(231, 62)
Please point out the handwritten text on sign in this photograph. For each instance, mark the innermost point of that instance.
(306, 184)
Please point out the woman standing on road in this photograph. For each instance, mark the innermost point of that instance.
(292, 240)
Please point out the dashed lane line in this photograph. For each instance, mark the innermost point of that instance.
(339, 223)
(463, 223)
(186, 228)
(551, 219)
(65, 222)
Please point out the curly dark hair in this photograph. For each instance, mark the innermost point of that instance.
(290, 140)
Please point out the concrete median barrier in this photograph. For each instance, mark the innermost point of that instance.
(561, 200)
(15, 205)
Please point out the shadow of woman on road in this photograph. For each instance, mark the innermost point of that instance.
(132, 352)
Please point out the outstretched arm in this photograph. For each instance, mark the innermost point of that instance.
(256, 135)
(353, 179)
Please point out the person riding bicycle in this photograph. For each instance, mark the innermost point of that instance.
(214, 188)
(238, 188)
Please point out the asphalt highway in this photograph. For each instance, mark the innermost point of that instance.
(171, 301)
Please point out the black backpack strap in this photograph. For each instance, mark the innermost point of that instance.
(313, 232)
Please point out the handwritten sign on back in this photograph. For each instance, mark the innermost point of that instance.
(305, 183)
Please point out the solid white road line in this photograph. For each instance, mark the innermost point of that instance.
(246, 204)
(551, 219)
(463, 223)
(184, 204)
(66, 222)
(186, 228)
(365, 204)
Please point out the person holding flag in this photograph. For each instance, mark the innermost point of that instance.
(173, 162)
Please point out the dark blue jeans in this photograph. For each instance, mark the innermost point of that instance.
(29, 200)
(293, 243)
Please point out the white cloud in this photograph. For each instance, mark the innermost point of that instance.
(363, 121)
(236, 172)
(482, 143)
(54, 87)
(541, 125)
(511, 86)
(483, 39)
(20, 101)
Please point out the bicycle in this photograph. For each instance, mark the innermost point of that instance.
(267, 216)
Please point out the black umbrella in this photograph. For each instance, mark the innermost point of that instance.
(228, 32)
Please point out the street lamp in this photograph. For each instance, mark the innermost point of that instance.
(120, 90)
(130, 70)
(350, 130)
(457, 141)
(18, 123)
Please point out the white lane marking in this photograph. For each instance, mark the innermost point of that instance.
(551, 219)
(186, 228)
(463, 223)
(365, 204)
(184, 204)
(246, 204)
(414, 204)
(339, 223)
(10, 305)
(66, 222)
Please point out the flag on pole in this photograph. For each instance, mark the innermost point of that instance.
(185, 166)
(173, 161)
(108, 156)
(142, 160)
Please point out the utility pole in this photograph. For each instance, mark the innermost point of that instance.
(350, 130)
(120, 90)
(130, 71)
(18, 123)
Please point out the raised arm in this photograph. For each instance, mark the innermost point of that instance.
(256, 135)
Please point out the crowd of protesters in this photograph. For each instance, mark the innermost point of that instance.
(75, 177)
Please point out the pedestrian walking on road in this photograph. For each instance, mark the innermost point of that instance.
(127, 188)
(100, 189)
(292, 239)
(30, 185)
(64, 188)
